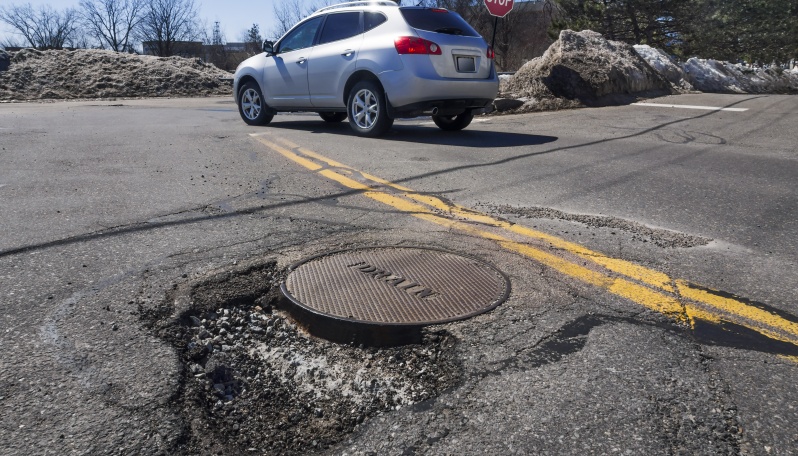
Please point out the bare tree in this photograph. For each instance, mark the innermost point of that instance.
(286, 14)
(112, 22)
(289, 12)
(165, 22)
(45, 27)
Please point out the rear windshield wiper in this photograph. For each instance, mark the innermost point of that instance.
(449, 30)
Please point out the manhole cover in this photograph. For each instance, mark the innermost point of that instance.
(384, 295)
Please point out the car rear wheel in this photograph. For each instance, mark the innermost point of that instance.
(367, 109)
(453, 123)
(333, 117)
(251, 105)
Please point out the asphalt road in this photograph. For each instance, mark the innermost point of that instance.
(651, 252)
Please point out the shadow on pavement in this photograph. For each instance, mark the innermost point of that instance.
(421, 134)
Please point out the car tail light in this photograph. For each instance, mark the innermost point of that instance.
(491, 55)
(440, 10)
(415, 45)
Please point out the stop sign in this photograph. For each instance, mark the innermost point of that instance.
(499, 8)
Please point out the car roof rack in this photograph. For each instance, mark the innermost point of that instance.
(360, 3)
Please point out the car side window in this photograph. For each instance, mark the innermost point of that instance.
(340, 26)
(301, 37)
(372, 20)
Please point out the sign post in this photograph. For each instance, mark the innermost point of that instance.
(498, 8)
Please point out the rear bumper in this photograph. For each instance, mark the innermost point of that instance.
(410, 95)
(440, 107)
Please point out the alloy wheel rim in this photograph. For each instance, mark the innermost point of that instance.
(251, 104)
(365, 109)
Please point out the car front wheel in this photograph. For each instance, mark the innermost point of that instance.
(453, 123)
(368, 110)
(251, 105)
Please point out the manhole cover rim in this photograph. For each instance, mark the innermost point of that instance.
(485, 309)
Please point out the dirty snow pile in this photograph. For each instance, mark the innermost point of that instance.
(584, 69)
(720, 77)
(84, 73)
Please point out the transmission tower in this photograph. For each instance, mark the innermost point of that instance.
(217, 34)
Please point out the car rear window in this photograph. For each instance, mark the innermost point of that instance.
(437, 20)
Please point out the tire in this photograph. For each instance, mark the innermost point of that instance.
(453, 123)
(333, 117)
(251, 105)
(368, 110)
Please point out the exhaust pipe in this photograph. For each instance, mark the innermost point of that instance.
(431, 112)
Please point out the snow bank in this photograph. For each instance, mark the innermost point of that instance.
(665, 65)
(719, 77)
(585, 69)
(36, 75)
(725, 77)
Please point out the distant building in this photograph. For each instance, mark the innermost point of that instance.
(226, 56)
(180, 48)
(235, 47)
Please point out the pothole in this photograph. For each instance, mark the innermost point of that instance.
(659, 237)
(256, 383)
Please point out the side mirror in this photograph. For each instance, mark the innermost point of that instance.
(268, 48)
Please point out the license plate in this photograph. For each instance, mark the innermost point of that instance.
(466, 65)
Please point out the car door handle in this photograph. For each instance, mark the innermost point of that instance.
(301, 60)
(348, 52)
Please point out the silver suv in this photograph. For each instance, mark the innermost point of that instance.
(373, 62)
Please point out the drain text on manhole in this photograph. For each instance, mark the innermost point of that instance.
(395, 280)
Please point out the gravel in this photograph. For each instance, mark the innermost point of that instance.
(253, 381)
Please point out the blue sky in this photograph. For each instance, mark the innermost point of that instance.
(234, 16)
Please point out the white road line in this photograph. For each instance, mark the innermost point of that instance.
(705, 108)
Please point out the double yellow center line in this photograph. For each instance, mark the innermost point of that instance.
(678, 299)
